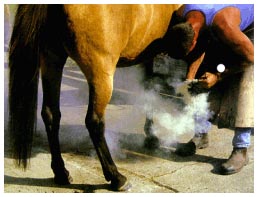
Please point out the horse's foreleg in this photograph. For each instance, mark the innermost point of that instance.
(99, 97)
(151, 140)
(51, 82)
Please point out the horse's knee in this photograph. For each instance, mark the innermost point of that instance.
(95, 126)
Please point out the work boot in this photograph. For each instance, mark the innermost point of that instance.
(237, 160)
(199, 141)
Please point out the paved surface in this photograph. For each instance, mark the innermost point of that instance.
(149, 171)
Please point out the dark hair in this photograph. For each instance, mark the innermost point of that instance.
(180, 39)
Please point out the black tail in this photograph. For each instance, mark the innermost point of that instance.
(24, 66)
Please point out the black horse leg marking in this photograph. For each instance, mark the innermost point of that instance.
(51, 83)
(148, 127)
(151, 140)
(96, 126)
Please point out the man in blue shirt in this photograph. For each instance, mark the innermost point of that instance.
(228, 23)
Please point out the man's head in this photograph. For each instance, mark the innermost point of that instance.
(181, 40)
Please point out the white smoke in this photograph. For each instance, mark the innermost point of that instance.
(184, 113)
(172, 120)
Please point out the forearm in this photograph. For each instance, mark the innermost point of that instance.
(194, 66)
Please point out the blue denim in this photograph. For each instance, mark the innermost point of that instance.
(242, 137)
(202, 125)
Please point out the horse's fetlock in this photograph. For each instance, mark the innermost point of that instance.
(57, 165)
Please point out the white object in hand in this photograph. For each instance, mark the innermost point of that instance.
(221, 68)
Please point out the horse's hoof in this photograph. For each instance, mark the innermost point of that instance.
(120, 183)
(187, 149)
(64, 179)
(125, 187)
(151, 142)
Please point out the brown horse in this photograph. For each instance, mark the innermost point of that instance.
(96, 37)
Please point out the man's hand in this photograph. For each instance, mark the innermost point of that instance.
(207, 80)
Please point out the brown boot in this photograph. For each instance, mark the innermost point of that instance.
(199, 141)
(237, 160)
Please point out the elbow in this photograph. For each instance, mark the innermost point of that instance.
(249, 60)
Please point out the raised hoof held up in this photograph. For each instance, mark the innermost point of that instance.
(199, 141)
(63, 179)
(151, 142)
(187, 149)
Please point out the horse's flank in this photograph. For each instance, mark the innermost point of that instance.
(117, 30)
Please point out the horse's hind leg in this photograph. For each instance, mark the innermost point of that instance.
(100, 91)
(52, 64)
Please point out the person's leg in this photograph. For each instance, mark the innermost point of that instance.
(202, 127)
(242, 137)
(244, 123)
(239, 157)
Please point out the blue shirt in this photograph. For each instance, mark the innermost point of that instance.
(210, 10)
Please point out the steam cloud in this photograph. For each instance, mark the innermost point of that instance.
(173, 116)
(177, 115)
(172, 120)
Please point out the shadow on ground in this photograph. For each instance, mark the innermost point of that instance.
(49, 182)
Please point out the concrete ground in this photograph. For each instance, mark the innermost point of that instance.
(158, 171)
